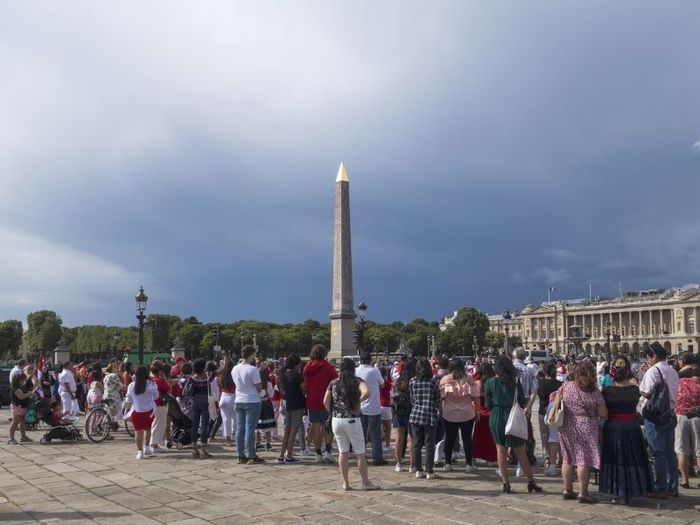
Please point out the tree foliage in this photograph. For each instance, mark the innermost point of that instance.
(11, 332)
(43, 331)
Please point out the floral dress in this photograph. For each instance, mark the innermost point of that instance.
(578, 436)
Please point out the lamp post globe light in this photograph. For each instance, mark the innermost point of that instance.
(506, 324)
(141, 300)
(475, 345)
(115, 338)
(608, 333)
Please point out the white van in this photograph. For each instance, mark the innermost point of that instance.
(539, 356)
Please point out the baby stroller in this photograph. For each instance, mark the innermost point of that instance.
(37, 410)
(181, 433)
(62, 431)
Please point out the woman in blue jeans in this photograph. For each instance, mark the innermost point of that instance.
(247, 406)
(200, 408)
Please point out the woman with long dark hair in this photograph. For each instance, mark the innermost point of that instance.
(401, 411)
(425, 400)
(200, 408)
(460, 409)
(142, 393)
(160, 412)
(266, 420)
(21, 398)
(227, 401)
(342, 400)
(500, 392)
(483, 446)
(625, 471)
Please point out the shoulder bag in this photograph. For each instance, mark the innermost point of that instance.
(555, 417)
(516, 425)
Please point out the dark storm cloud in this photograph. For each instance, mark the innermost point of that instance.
(493, 149)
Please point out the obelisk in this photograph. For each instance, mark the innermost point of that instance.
(342, 313)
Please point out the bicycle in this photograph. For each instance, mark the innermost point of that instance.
(98, 422)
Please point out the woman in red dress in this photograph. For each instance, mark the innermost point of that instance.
(483, 446)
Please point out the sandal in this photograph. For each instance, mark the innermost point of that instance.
(370, 487)
(568, 495)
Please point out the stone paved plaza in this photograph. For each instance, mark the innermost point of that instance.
(103, 483)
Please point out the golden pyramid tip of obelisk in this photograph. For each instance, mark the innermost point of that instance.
(342, 174)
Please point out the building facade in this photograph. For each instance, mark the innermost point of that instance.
(668, 316)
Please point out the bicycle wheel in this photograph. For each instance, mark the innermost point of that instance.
(128, 427)
(98, 425)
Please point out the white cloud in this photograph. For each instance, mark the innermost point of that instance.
(38, 274)
(696, 145)
(551, 275)
(559, 254)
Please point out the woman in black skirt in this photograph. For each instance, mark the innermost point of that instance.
(625, 472)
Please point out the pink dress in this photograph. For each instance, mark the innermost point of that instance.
(578, 436)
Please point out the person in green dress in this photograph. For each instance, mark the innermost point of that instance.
(499, 392)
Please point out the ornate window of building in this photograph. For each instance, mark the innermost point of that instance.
(633, 330)
(595, 332)
(622, 331)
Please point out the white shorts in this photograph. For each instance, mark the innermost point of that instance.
(348, 431)
(386, 413)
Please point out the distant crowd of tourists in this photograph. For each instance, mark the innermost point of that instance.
(637, 429)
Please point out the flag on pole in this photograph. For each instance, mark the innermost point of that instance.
(552, 289)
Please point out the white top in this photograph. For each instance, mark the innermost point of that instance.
(66, 376)
(215, 390)
(246, 377)
(15, 372)
(142, 402)
(599, 368)
(652, 377)
(374, 380)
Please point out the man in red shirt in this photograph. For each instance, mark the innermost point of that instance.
(318, 373)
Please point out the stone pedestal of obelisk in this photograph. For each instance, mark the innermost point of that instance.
(342, 314)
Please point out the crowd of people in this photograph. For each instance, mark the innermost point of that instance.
(636, 428)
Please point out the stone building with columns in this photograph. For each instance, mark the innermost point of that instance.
(670, 317)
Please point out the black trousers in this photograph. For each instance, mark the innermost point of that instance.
(451, 429)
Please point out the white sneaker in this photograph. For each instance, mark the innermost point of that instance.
(157, 450)
(319, 458)
(147, 451)
(419, 474)
(458, 455)
(430, 475)
(411, 470)
(140, 455)
(447, 467)
(328, 457)
(519, 473)
(470, 469)
(551, 471)
(397, 468)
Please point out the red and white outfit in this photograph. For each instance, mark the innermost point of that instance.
(160, 412)
(228, 414)
(142, 405)
(276, 401)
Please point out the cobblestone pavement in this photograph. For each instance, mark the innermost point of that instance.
(80, 483)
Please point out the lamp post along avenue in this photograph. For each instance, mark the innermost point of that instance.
(141, 300)
(506, 324)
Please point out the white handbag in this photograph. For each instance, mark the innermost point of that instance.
(516, 425)
(555, 417)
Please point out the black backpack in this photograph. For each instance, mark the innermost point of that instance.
(401, 402)
(658, 406)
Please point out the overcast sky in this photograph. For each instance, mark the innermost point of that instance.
(493, 149)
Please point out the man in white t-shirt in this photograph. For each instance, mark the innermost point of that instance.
(371, 407)
(661, 437)
(17, 369)
(67, 389)
(247, 405)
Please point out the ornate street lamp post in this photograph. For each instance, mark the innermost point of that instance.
(506, 323)
(115, 337)
(608, 333)
(475, 345)
(141, 300)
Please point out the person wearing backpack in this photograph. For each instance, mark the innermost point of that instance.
(659, 387)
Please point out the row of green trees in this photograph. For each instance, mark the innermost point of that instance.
(470, 333)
